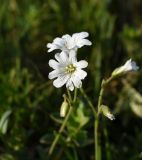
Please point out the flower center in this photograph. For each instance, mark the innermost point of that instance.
(70, 68)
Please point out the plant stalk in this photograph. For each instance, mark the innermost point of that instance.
(88, 101)
(96, 123)
(51, 149)
(53, 145)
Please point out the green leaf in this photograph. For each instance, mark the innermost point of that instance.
(4, 121)
(6, 157)
(76, 123)
(80, 117)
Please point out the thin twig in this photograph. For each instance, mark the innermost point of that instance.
(88, 101)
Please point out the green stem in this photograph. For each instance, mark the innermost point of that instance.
(100, 96)
(51, 149)
(69, 95)
(53, 145)
(75, 95)
(88, 101)
(96, 124)
(107, 146)
(108, 80)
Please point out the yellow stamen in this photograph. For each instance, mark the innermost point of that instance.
(70, 68)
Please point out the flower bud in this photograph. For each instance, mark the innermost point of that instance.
(64, 108)
(128, 66)
(106, 112)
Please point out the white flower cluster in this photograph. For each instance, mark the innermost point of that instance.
(67, 70)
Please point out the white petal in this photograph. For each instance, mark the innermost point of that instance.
(71, 43)
(54, 74)
(80, 35)
(110, 116)
(72, 56)
(127, 66)
(130, 65)
(60, 81)
(54, 64)
(59, 41)
(61, 58)
(64, 57)
(134, 66)
(79, 39)
(57, 57)
(76, 81)
(82, 64)
(51, 47)
(70, 85)
(83, 42)
(66, 37)
(83, 34)
(128, 62)
(80, 73)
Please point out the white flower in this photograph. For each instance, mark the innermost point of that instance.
(67, 42)
(128, 66)
(67, 70)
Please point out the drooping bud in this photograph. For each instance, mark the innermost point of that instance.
(64, 107)
(128, 66)
(106, 112)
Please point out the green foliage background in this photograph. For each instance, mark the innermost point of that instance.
(29, 104)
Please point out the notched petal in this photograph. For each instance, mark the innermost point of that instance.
(53, 74)
(54, 64)
(60, 81)
(82, 64)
